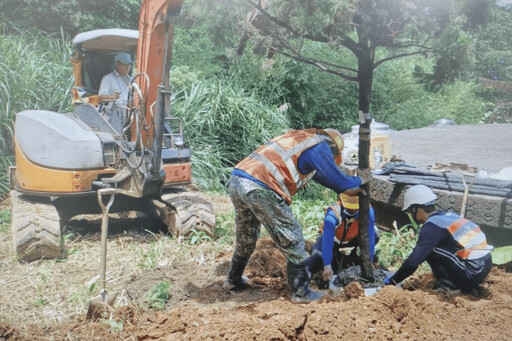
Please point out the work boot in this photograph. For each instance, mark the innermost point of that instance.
(298, 281)
(235, 280)
(445, 285)
(315, 262)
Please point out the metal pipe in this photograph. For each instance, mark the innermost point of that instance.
(158, 131)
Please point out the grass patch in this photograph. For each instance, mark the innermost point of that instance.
(157, 297)
(5, 221)
(394, 247)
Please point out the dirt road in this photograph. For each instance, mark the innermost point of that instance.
(485, 146)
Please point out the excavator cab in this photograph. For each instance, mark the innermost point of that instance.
(67, 163)
(94, 58)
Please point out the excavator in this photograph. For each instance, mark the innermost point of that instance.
(104, 158)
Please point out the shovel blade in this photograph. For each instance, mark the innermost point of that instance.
(101, 305)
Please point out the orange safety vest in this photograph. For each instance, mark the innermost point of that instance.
(352, 228)
(275, 163)
(468, 234)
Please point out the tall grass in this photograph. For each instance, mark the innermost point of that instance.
(223, 124)
(35, 74)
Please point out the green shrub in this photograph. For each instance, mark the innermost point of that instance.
(71, 16)
(223, 124)
(36, 74)
(402, 102)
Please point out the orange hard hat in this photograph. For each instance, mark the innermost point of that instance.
(351, 203)
(336, 145)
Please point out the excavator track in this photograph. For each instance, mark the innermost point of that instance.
(36, 228)
(186, 211)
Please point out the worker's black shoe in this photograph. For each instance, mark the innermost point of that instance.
(476, 291)
(237, 285)
(298, 280)
(235, 280)
(446, 286)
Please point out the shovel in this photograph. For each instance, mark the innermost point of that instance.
(99, 305)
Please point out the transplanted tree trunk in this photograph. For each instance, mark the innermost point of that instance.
(373, 32)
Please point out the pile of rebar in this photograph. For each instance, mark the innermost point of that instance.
(451, 181)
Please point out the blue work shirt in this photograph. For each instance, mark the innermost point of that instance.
(317, 158)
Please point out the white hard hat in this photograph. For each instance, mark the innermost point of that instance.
(418, 195)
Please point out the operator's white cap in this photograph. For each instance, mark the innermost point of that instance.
(123, 57)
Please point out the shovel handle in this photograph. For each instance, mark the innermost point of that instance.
(104, 233)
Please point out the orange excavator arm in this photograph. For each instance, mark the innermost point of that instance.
(154, 52)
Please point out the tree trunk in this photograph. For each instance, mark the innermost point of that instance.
(365, 78)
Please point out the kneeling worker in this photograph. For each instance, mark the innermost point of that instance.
(340, 229)
(455, 248)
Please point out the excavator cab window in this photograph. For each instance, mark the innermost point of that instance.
(95, 66)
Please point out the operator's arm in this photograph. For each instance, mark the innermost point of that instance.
(106, 91)
(330, 222)
(430, 236)
(319, 158)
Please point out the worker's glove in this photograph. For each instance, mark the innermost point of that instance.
(327, 274)
(387, 281)
(352, 192)
(365, 175)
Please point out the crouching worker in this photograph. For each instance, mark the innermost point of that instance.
(261, 188)
(455, 248)
(340, 230)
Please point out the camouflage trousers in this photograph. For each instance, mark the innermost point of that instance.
(256, 205)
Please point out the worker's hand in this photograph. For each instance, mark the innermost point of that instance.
(327, 274)
(115, 95)
(355, 191)
(365, 175)
(387, 281)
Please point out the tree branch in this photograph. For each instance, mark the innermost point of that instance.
(286, 45)
(400, 55)
(286, 26)
(422, 48)
(319, 65)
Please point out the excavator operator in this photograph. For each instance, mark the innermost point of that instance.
(114, 86)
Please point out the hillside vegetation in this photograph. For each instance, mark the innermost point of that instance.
(230, 103)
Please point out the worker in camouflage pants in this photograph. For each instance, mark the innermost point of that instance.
(261, 188)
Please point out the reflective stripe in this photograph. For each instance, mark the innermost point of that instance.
(275, 163)
(466, 233)
(272, 169)
(286, 156)
(483, 247)
(456, 225)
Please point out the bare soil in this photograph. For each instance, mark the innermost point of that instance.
(200, 308)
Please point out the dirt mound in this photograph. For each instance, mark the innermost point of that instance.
(201, 309)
